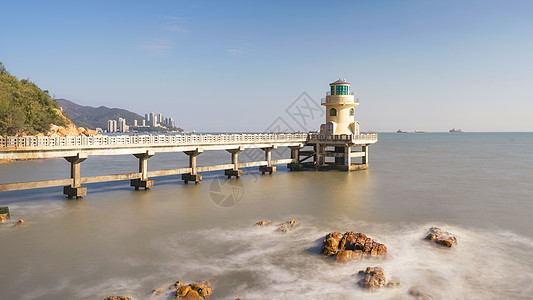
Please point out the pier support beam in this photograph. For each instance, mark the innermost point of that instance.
(143, 182)
(234, 160)
(340, 160)
(365, 158)
(193, 176)
(268, 157)
(75, 190)
(295, 156)
(348, 157)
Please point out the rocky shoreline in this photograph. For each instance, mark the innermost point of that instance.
(343, 248)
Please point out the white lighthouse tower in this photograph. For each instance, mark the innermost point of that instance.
(339, 144)
(340, 105)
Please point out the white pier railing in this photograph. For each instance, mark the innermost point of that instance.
(105, 140)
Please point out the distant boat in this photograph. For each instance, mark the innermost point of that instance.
(401, 131)
(458, 130)
(420, 131)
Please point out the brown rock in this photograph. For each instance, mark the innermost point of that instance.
(344, 256)
(351, 241)
(394, 284)
(117, 298)
(182, 291)
(374, 278)
(263, 223)
(20, 223)
(331, 243)
(3, 219)
(441, 237)
(287, 226)
(193, 295)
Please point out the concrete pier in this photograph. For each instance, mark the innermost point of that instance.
(193, 175)
(143, 182)
(268, 158)
(345, 149)
(234, 171)
(75, 190)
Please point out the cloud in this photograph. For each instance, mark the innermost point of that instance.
(158, 47)
(235, 51)
(175, 24)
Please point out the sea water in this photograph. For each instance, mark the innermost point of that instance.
(117, 241)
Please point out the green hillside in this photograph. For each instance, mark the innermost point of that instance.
(24, 107)
(93, 117)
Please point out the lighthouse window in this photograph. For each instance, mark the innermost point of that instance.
(342, 90)
(351, 112)
(332, 112)
(333, 90)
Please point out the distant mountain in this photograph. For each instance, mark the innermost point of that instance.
(93, 117)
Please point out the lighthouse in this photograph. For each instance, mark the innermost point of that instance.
(340, 105)
(338, 145)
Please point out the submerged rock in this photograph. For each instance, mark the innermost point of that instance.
(20, 223)
(441, 237)
(198, 290)
(351, 246)
(263, 223)
(117, 298)
(287, 226)
(420, 295)
(394, 284)
(374, 278)
(167, 291)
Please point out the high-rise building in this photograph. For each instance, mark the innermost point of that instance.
(144, 123)
(111, 126)
(135, 123)
(122, 127)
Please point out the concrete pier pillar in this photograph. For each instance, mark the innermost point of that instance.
(235, 161)
(295, 156)
(365, 158)
(340, 160)
(143, 182)
(268, 157)
(320, 156)
(348, 157)
(75, 190)
(193, 176)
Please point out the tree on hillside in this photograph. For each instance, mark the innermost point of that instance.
(24, 107)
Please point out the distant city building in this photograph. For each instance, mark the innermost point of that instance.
(135, 123)
(99, 130)
(122, 127)
(144, 123)
(111, 126)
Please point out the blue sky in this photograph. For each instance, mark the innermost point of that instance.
(238, 65)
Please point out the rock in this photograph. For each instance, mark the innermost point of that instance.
(197, 290)
(20, 223)
(331, 243)
(263, 223)
(160, 292)
(359, 243)
(182, 291)
(344, 256)
(193, 295)
(374, 278)
(394, 284)
(420, 295)
(441, 237)
(3, 219)
(287, 226)
(117, 298)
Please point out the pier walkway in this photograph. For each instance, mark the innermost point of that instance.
(76, 149)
